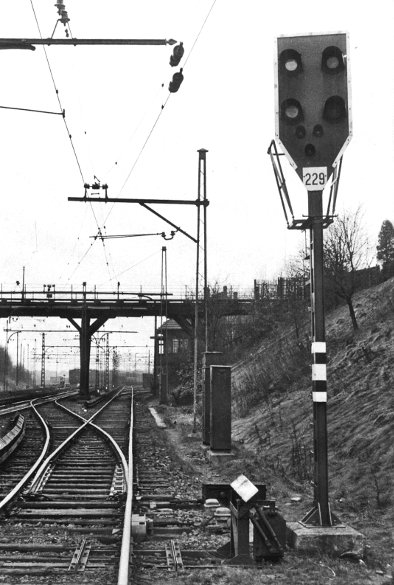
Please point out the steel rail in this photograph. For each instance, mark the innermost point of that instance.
(15, 491)
(124, 561)
(103, 432)
(24, 404)
(38, 477)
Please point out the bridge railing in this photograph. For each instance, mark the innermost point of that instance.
(53, 294)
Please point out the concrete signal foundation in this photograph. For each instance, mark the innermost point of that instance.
(331, 540)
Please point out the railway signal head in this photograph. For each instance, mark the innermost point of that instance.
(177, 55)
(177, 79)
(313, 123)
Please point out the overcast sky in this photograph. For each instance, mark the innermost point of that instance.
(113, 98)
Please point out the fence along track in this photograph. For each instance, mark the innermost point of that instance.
(43, 508)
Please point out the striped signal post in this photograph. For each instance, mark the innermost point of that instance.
(313, 126)
(320, 513)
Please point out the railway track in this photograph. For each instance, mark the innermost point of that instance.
(15, 468)
(172, 535)
(67, 526)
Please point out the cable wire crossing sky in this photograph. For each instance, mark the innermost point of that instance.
(104, 115)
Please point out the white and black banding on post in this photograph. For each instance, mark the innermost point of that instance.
(319, 371)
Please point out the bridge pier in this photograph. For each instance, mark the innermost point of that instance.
(85, 330)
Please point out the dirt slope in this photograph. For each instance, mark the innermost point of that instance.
(278, 424)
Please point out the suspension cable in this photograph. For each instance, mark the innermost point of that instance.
(57, 94)
(166, 101)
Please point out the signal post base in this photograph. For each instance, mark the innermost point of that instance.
(218, 456)
(330, 540)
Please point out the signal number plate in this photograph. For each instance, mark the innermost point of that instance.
(314, 178)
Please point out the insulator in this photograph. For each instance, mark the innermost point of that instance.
(64, 19)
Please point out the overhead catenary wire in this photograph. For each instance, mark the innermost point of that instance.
(57, 95)
(162, 107)
(144, 144)
(131, 267)
(31, 110)
(68, 133)
(159, 115)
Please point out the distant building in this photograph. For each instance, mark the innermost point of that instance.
(172, 350)
(56, 380)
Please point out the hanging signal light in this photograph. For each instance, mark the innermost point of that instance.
(177, 79)
(177, 55)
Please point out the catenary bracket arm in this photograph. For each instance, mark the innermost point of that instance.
(168, 221)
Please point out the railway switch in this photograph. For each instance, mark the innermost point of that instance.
(243, 503)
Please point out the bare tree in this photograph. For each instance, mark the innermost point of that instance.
(346, 250)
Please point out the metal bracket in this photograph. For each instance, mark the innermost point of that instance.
(306, 222)
(313, 518)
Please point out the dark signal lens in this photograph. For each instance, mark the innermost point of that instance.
(310, 150)
(332, 60)
(334, 109)
(318, 130)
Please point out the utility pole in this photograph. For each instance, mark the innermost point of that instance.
(195, 345)
(17, 360)
(43, 361)
(106, 374)
(202, 161)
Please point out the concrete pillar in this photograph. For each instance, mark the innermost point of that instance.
(209, 359)
(220, 416)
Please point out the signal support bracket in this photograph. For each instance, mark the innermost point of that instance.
(306, 222)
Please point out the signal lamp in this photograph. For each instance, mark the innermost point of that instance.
(334, 109)
(177, 79)
(310, 150)
(291, 111)
(332, 60)
(318, 130)
(290, 61)
(300, 132)
(177, 55)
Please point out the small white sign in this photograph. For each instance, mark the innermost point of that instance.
(314, 178)
(244, 488)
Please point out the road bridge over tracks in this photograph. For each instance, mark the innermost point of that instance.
(88, 310)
